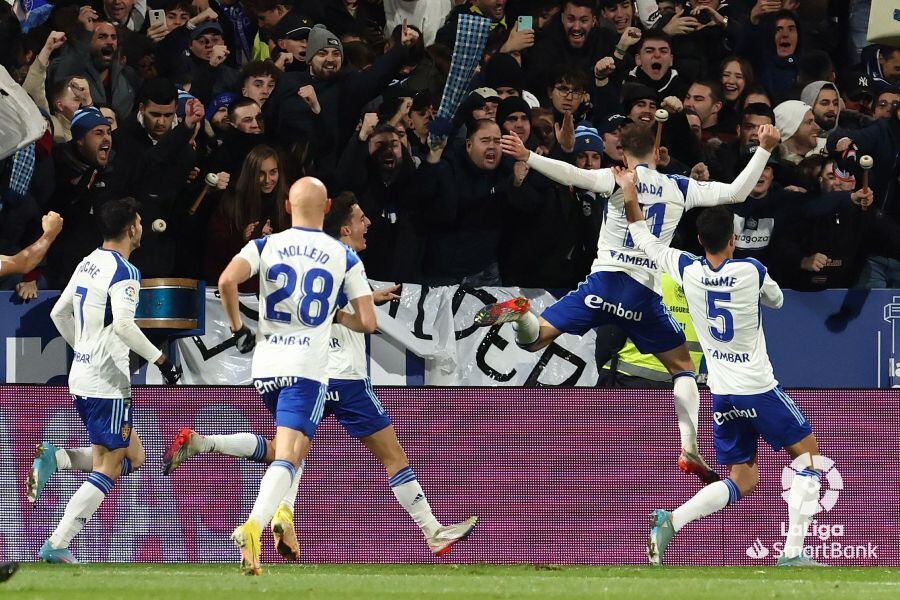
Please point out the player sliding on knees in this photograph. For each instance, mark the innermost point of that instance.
(95, 315)
(624, 285)
(351, 400)
(723, 296)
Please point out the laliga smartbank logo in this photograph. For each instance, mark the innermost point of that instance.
(823, 540)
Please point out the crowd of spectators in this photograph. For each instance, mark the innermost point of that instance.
(232, 100)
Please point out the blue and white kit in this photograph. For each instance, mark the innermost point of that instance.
(724, 304)
(624, 285)
(301, 272)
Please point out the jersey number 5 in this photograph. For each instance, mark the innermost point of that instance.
(315, 290)
(655, 213)
(718, 315)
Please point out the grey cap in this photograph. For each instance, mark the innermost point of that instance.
(320, 38)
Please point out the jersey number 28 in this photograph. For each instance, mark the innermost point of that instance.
(315, 290)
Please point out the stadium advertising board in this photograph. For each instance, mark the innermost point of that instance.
(564, 476)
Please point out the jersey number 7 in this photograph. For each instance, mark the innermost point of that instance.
(315, 291)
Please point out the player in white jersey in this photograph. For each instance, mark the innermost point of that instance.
(354, 404)
(301, 272)
(95, 315)
(723, 296)
(623, 287)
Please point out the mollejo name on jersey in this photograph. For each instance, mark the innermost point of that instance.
(310, 252)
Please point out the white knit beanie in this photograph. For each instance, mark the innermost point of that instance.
(788, 116)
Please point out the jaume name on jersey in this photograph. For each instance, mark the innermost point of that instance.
(720, 281)
(310, 252)
(735, 357)
(640, 261)
(287, 340)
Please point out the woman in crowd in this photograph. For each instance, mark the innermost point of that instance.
(252, 209)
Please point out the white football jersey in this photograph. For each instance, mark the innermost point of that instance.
(301, 272)
(347, 354)
(724, 307)
(104, 284)
(663, 198)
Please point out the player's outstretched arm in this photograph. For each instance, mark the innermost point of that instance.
(713, 193)
(29, 258)
(594, 180)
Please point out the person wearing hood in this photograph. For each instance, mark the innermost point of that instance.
(573, 39)
(800, 133)
(92, 52)
(773, 46)
(654, 66)
(504, 74)
(825, 101)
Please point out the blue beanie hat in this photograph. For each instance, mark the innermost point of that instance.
(587, 138)
(86, 119)
(225, 99)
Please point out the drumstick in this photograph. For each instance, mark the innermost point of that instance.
(865, 163)
(661, 116)
(211, 180)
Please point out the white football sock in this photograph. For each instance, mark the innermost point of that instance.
(710, 499)
(241, 445)
(81, 507)
(76, 459)
(409, 494)
(290, 498)
(687, 407)
(272, 488)
(528, 328)
(803, 501)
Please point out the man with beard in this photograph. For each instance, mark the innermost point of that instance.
(340, 93)
(705, 98)
(654, 66)
(797, 125)
(495, 10)
(378, 170)
(92, 53)
(573, 39)
(464, 199)
(826, 105)
(84, 182)
(156, 153)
